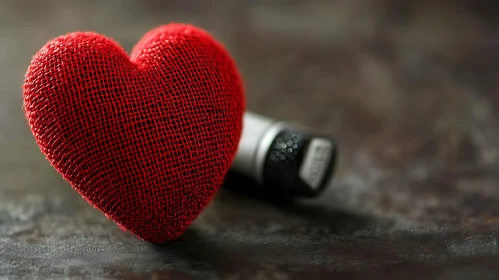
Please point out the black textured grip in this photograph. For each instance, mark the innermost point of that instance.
(283, 161)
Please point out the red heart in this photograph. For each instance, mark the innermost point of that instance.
(146, 139)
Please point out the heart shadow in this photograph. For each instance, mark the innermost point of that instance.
(238, 187)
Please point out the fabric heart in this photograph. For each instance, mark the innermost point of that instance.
(147, 139)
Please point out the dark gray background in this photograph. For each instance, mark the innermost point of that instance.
(409, 88)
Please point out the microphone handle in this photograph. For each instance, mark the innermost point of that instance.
(286, 159)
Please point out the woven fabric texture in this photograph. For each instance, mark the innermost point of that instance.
(145, 138)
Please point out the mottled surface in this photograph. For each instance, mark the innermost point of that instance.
(410, 91)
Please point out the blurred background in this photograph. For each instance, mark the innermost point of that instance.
(409, 89)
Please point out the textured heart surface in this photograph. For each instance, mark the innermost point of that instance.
(145, 138)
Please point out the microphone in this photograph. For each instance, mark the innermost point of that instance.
(284, 159)
(148, 137)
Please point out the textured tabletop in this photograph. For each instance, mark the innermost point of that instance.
(410, 91)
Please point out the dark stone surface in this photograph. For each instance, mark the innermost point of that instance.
(408, 88)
